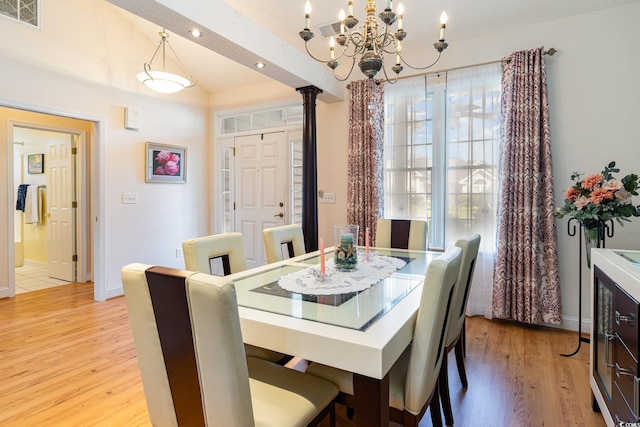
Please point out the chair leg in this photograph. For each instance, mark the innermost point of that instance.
(436, 415)
(332, 415)
(463, 336)
(459, 349)
(351, 412)
(443, 385)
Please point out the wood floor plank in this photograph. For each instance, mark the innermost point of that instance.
(66, 360)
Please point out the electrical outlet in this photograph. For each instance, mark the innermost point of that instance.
(178, 252)
(328, 197)
(129, 198)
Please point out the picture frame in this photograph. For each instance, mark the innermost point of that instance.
(35, 163)
(166, 163)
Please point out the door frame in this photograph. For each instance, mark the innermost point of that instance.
(227, 141)
(83, 271)
(82, 238)
(93, 163)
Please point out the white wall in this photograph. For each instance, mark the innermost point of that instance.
(109, 54)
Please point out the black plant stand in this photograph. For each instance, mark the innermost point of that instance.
(604, 230)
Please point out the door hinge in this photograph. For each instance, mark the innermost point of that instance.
(74, 204)
(234, 206)
(74, 258)
(74, 150)
(233, 151)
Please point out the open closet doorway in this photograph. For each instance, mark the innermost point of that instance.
(53, 241)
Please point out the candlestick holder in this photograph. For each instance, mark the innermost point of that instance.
(319, 275)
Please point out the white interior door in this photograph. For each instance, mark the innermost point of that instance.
(61, 213)
(261, 189)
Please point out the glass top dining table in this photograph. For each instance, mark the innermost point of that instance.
(259, 289)
(362, 332)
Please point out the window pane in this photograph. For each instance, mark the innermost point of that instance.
(226, 190)
(440, 153)
(296, 182)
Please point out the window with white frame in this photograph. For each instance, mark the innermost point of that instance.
(226, 193)
(440, 152)
(296, 181)
(260, 120)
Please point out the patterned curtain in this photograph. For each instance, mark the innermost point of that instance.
(366, 140)
(526, 283)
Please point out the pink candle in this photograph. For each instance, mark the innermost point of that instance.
(322, 266)
(366, 240)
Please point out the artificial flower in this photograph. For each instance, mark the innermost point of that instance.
(600, 197)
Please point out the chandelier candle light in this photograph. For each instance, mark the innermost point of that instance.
(371, 41)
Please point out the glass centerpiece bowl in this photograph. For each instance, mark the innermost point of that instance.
(346, 247)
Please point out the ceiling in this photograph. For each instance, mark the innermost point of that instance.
(285, 18)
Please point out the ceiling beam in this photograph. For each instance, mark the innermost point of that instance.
(235, 36)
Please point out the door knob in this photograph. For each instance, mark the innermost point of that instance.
(281, 215)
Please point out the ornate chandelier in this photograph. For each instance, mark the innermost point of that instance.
(160, 80)
(371, 41)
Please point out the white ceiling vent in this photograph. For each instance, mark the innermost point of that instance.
(329, 30)
(26, 11)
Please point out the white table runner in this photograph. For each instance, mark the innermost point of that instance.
(369, 272)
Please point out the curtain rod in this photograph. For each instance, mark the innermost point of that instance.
(552, 51)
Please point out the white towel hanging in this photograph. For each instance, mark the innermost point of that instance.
(32, 205)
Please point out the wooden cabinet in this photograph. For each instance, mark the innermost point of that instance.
(615, 380)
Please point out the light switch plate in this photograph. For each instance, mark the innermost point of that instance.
(129, 198)
(328, 197)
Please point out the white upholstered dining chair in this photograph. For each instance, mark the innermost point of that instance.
(186, 331)
(413, 378)
(283, 242)
(455, 331)
(221, 255)
(401, 234)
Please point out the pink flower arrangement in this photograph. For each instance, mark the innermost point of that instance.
(166, 163)
(600, 197)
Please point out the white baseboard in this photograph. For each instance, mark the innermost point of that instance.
(114, 292)
(570, 323)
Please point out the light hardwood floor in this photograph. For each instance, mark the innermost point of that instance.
(66, 360)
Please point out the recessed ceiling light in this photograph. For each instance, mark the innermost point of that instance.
(195, 32)
(260, 65)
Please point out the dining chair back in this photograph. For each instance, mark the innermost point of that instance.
(455, 331)
(219, 254)
(470, 247)
(187, 335)
(401, 234)
(162, 338)
(414, 376)
(427, 347)
(283, 242)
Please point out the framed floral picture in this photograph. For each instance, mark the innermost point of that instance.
(166, 163)
(35, 163)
